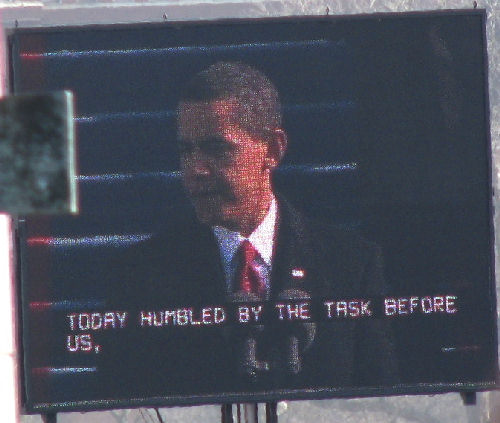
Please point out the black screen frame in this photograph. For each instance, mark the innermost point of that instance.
(342, 392)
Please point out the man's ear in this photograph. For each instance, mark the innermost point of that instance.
(277, 145)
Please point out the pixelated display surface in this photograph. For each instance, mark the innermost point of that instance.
(364, 213)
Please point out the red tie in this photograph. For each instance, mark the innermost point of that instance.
(249, 279)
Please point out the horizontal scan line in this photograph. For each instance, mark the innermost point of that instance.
(323, 106)
(170, 114)
(156, 114)
(89, 241)
(114, 177)
(211, 49)
(63, 370)
(315, 169)
(65, 305)
(464, 348)
(177, 175)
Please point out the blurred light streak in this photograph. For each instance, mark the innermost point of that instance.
(319, 169)
(62, 370)
(114, 177)
(211, 49)
(65, 305)
(170, 114)
(158, 114)
(175, 175)
(88, 241)
(466, 348)
(324, 106)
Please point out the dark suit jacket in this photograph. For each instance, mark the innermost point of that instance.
(181, 266)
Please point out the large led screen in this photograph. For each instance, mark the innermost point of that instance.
(270, 209)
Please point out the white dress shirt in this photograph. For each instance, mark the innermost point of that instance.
(262, 238)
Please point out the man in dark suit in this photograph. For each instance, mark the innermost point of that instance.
(245, 243)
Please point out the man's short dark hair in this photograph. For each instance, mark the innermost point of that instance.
(259, 107)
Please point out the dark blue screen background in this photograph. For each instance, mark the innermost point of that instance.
(388, 135)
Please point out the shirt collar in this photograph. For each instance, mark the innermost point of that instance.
(262, 237)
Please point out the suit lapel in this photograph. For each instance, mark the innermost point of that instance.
(294, 262)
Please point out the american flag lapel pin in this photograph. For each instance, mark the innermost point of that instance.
(298, 273)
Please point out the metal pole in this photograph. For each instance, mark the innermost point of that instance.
(272, 412)
(251, 413)
(227, 413)
(49, 418)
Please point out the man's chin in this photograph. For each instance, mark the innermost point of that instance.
(207, 215)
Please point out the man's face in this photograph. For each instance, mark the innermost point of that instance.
(223, 166)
